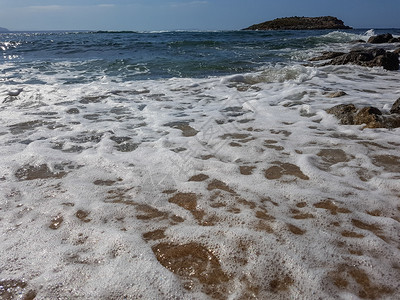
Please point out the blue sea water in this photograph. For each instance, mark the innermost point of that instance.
(194, 165)
(152, 55)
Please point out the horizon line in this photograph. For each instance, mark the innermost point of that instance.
(171, 30)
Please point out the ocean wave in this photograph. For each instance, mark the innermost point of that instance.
(271, 74)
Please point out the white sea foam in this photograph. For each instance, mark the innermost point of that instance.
(291, 204)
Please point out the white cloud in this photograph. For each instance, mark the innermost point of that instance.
(46, 7)
(187, 4)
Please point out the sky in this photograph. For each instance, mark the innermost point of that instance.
(148, 15)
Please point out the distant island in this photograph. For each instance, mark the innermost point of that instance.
(2, 29)
(300, 23)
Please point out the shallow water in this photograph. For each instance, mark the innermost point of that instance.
(226, 185)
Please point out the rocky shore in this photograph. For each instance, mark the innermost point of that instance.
(300, 23)
(369, 116)
(367, 57)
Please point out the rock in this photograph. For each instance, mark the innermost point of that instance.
(389, 61)
(395, 107)
(394, 40)
(300, 23)
(72, 111)
(327, 55)
(371, 116)
(383, 38)
(397, 51)
(344, 112)
(336, 94)
(376, 52)
(392, 121)
(357, 56)
(365, 57)
(380, 39)
(357, 42)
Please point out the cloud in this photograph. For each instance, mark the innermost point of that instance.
(53, 9)
(46, 7)
(187, 4)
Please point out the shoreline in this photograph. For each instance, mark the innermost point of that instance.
(237, 185)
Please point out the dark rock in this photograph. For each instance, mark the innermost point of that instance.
(369, 116)
(327, 55)
(395, 107)
(372, 117)
(73, 111)
(344, 112)
(300, 23)
(394, 40)
(397, 51)
(383, 38)
(377, 52)
(357, 57)
(380, 39)
(367, 58)
(357, 42)
(389, 61)
(392, 121)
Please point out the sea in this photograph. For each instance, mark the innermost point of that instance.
(195, 165)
